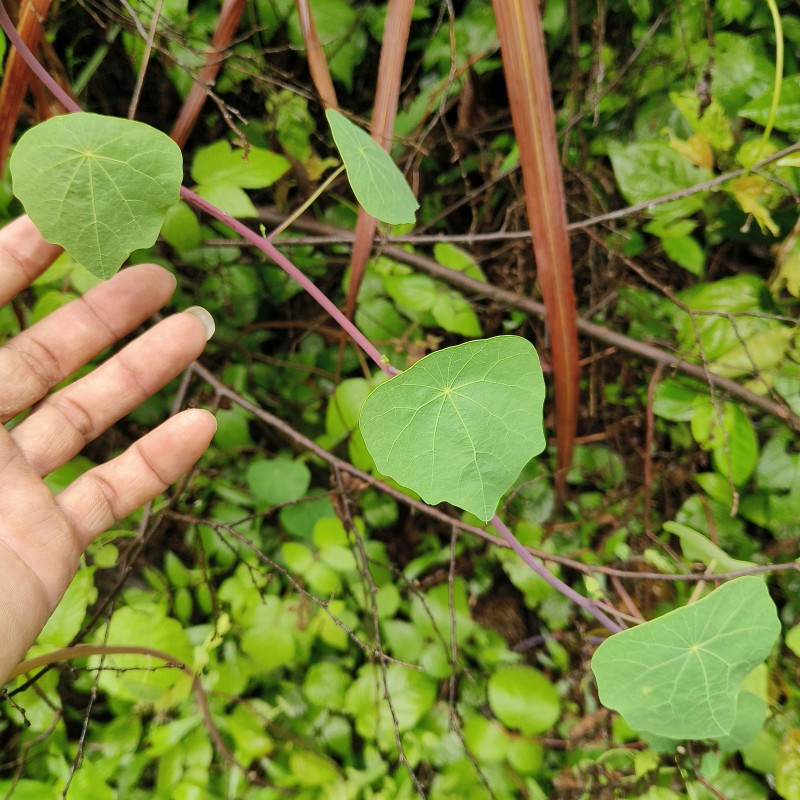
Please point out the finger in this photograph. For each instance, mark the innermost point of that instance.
(66, 421)
(24, 255)
(42, 356)
(106, 494)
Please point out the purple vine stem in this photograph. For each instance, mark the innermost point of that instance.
(266, 247)
(544, 573)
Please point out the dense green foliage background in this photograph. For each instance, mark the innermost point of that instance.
(349, 645)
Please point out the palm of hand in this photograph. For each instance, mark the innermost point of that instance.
(42, 536)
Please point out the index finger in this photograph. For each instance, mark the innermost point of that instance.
(24, 255)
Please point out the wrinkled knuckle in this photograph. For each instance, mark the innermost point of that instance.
(38, 360)
(109, 496)
(137, 378)
(77, 417)
(105, 322)
(153, 469)
(11, 259)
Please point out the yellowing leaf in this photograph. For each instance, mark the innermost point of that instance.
(695, 149)
(788, 275)
(711, 123)
(751, 191)
(764, 350)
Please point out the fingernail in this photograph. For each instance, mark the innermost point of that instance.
(205, 318)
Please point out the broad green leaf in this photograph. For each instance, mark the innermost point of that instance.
(792, 639)
(711, 120)
(788, 274)
(460, 424)
(741, 69)
(524, 699)
(98, 186)
(787, 114)
(679, 676)
(344, 406)
(377, 182)
(416, 293)
(751, 711)
(525, 755)
(220, 164)
(378, 320)
(778, 468)
(448, 255)
(310, 769)
(230, 199)
(144, 679)
(299, 519)
(645, 170)
(278, 480)
(268, 638)
(453, 313)
(413, 695)
(674, 401)
(486, 739)
(753, 192)
(325, 684)
(181, 228)
(687, 252)
(716, 486)
(762, 352)
(731, 785)
(729, 436)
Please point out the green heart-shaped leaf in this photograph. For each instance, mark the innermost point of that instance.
(460, 424)
(679, 675)
(98, 186)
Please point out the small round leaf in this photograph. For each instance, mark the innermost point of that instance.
(524, 699)
(276, 481)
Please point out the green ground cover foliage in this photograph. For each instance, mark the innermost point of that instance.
(334, 641)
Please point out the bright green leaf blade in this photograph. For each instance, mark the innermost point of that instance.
(787, 113)
(679, 675)
(649, 169)
(524, 699)
(220, 164)
(98, 186)
(460, 424)
(453, 313)
(230, 199)
(697, 547)
(276, 481)
(376, 181)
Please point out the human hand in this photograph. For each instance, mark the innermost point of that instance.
(41, 536)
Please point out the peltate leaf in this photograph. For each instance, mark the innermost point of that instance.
(679, 675)
(376, 181)
(460, 424)
(98, 186)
